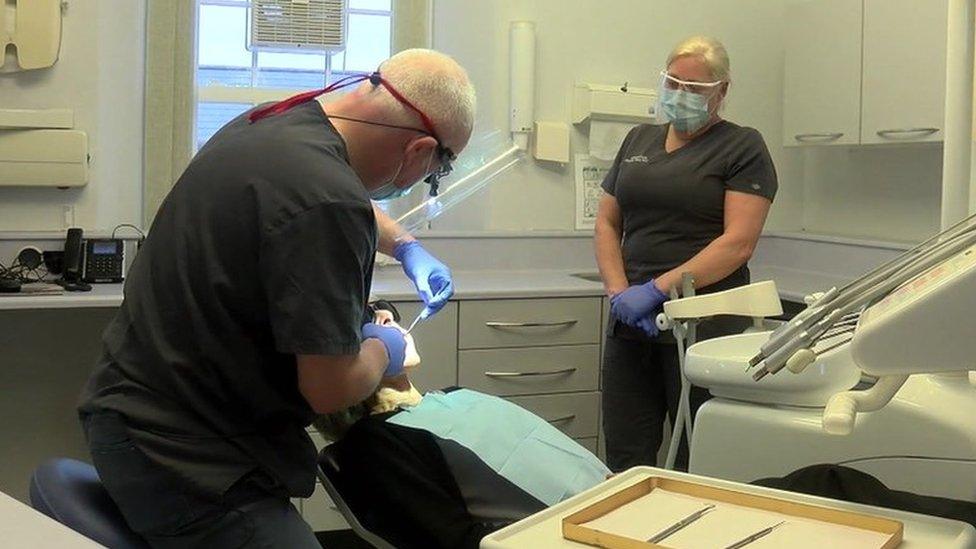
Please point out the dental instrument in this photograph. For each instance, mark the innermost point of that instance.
(838, 304)
(680, 525)
(758, 535)
(420, 316)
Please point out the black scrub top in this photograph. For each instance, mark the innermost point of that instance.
(673, 204)
(262, 250)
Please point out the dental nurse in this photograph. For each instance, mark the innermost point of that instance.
(688, 196)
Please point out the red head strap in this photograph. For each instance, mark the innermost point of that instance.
(374, 78)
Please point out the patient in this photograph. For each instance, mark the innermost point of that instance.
(448, 468)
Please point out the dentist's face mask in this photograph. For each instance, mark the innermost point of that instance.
(685, 104)
(390, 191)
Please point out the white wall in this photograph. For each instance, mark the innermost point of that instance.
(889, 193)
(100, 76)
(606, 42)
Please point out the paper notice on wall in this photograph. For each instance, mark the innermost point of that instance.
(606, 138)
(589, 176)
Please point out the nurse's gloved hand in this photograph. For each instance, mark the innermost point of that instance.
(636, 306)
(395, 342)
(431, 277)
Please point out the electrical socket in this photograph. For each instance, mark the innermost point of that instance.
(67, 216)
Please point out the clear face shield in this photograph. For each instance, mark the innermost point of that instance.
(486, 158)
(684, 103)
(706, 89)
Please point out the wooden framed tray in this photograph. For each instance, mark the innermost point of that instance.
(629, 517)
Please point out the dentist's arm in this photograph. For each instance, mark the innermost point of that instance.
(333, 383)
(433, 280)
(391, 233)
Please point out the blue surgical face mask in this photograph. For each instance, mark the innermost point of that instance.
(686, 111)
(389, 192)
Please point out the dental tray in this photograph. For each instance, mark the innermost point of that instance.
(627, 518)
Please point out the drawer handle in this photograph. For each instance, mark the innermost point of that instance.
(570, 417)
(531, 374)
(499, 324)
(906, 132)
(818, 137)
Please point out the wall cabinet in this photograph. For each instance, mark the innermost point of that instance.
(864, 71)
(822, 73)
(904, 75)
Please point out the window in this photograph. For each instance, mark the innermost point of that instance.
(230, 79)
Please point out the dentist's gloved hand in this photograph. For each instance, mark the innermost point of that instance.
(395, 342)
(431, 277)
(636, 305)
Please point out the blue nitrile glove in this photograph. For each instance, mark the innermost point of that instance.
(395, 342)
(431, 277)
(636, 305)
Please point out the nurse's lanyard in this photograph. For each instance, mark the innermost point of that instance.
(444, 154)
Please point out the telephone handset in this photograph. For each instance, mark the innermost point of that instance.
(74, 258)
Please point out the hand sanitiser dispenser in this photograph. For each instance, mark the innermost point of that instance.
(33, 29)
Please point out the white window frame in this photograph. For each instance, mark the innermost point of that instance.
(253, 95)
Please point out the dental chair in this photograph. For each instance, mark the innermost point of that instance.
(873, 376)
(330, 475)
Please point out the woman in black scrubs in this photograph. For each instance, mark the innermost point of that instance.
(688, 196)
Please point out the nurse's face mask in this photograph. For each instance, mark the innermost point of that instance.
(685, 104)
(388, 191)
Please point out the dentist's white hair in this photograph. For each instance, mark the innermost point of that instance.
(437, 85)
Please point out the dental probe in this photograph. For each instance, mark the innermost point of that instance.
(760, 534)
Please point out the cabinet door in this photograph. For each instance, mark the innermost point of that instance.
(436, 340)
(904, 70)
(822, 75)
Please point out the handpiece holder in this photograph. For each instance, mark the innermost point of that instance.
(756, 300)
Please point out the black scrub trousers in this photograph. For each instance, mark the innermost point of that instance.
(672, 207)
(262, 251)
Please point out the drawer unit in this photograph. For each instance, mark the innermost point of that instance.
(576, 414)
(529, 322)
(509, 372)
(436, 340)
(589, 443)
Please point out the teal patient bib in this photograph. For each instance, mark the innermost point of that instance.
(515, 443)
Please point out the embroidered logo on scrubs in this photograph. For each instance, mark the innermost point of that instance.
(637, 158)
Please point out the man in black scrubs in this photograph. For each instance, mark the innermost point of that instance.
(243, 314)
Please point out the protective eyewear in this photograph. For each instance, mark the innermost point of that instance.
(445, 156)
(699, 88)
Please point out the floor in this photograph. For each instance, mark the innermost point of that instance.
(341, 539)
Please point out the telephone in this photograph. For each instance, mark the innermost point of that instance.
(93, 260)
(104, 258)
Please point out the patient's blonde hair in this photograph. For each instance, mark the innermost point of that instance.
(709, 50)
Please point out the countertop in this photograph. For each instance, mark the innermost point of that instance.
(543, 530)
(388, 283)
(22, 526)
